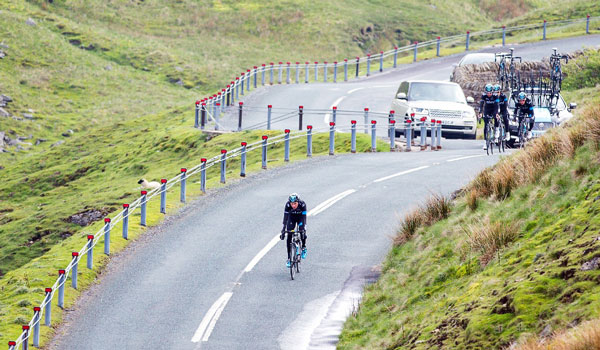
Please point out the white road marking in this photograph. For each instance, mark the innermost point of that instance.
(327, 117)
(321, 207)
(355, 90)
(262, 253)
(210, 319)
(466, 157)
(401, 173)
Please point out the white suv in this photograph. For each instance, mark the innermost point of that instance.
(439, 100)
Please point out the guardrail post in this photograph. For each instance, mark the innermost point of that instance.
(331, 138)
(309, 141)
(287, 74)
(357, 65)
(433, 134)
(286, 153)
(90, 249)
(587, 25)
(36, 326)
(183, 181)
(237, 88)
(107, 236)
(269, 107)
(468, 39)
(143, 208)
(223, 164)
(75, 257)
(437, 49)
(48, 307)
(25, 343)
(345, 69)
(503, 35)
(272, 72)
(395, 56)
(125, 220)
(12, 344)
(353, 136)
(163, 196)
(264, 151)
(61, 288)
(423, 133)
(325, 71)
(240, 116)
(316, 72)
(217, 108)
(300, 115)
(297, 72)
(392, 135)
(544, 37)
(335, 71)
(368, 64)
(373, 135)
(439, 138)
(203, 116)
(306, 72)
(203, 175)
(242, 77)
(223, 105)
(280, 73)
(228, 94)
(415, 53)
(390, 118)
(264, 69)
(381, 62)
(197, 115)
(366, 121)
(334, 114)
(255, 76)
(248, 77)
(408, 134)
(243, 159)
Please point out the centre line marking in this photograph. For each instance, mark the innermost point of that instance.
(355, 90)
(401, 173)
(326, 204)
(328, 115)
(210, 319)
(262, 253)
(466, 157)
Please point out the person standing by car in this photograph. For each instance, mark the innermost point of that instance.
(502, 108)
(294, 213)
(488, 109)
(523, 108)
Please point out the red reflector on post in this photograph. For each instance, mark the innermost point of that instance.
(394, 122)
(223, 151)
(334, 107)
(366, 109)
(125, 205)
(163, 181)
(48, 290)
(433, 121)
(25, 327)
(423, 119)
(412, 115)
(331, 124)
(392, 112)
(37, 309)
(106, 219)
(439, 122)
(61, 272)
(12, 343)
(241, 103)
(197, 102)
(183, 170)
(244, 143)
(287, 131)
(90, 236)
(409, 121)
(373, 121)
(144, 193)
(353, 122)
(203, 160)
(309, 127)
(301, 107)
(264, 137)
(270, 106)
(288, 63)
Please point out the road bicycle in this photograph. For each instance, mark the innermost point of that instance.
(489, 132)
(556, 75)
(501, 142)
(295, 252)
(522, 136)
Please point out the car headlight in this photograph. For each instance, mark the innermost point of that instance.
(468, 114)
(420, 110)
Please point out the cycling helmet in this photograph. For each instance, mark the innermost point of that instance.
(522, 96)
(489, 88)
(293, 197)
(497, 87)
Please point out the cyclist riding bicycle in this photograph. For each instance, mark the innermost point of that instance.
(503, 109)
(488, 108)
(294, 213)
(523, 108)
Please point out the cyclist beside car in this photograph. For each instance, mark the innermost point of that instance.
(523, 108)
(488, 109)
(294, 213)
(502, 108)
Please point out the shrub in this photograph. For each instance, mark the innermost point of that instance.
(488, 238)
(409, 226)
(585, 336)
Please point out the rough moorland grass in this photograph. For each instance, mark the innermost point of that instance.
(583, 337)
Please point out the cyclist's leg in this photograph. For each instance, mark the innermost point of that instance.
(291, 225)
(486, 120)
(531, 122)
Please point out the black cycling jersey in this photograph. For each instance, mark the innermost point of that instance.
(524, 109)
(488, 105)
(502, 104)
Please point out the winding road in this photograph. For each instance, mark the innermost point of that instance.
(213, 276)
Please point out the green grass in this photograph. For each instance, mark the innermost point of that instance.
(441, 290)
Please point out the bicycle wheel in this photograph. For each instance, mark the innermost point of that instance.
(292, 260)
(487, 140)
(298, 258)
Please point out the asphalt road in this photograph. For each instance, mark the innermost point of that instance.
(205, 260)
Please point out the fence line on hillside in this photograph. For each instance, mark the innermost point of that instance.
(288, 72)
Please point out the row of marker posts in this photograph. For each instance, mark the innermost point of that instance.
(435, 145)
(227, 96)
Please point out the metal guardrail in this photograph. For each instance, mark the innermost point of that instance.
(32, 329)
(212, 106)
(287, 72)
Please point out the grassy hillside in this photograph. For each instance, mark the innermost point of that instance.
(516, 259)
